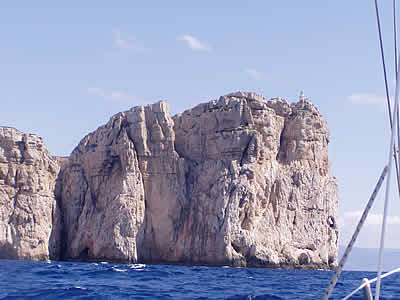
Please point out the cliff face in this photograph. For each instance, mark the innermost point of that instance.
(29, 216)
(102, 196)
(257, 186)
(240, 181)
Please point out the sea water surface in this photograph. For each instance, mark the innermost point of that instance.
(72, 280)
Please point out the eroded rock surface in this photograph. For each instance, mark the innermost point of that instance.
(102, 196)
(258, 190)
(240, 181)
(29, 216)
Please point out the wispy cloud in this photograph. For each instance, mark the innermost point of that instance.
(96, 91)
(115, 95)
(125, 42)
(370, 234)
(253, 73)
(194, 43)
(372, 219)
(369, 99)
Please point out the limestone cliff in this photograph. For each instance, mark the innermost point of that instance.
(102, 196)
(258, 186)
(240, 181)
(29, 216)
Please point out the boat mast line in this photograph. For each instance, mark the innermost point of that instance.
(371, 281)
(386, 205)
(396, 154)
(395, 37)
(346, 253)
(387, 170)
(391, 153)
(383, 63)
(378, 22)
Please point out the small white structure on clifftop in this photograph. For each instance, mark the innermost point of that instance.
(301, 96)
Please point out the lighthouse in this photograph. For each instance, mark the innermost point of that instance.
(301, 96)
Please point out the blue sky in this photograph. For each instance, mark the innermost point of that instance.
(67, 67)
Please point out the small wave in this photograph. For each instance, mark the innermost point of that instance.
(80, 288)
(104, 263)
(121, 281)
(137, 266)
(256, 297)
(118, 270)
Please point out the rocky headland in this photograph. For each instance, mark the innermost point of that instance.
(241, 181)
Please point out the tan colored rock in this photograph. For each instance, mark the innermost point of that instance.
(29, 216)
(258, 190)
(241, 181)
(151, 129)
(103, 197)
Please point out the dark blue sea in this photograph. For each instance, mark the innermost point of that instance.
(71, 280)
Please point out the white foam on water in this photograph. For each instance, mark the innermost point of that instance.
(104, 263)
(137, 266)
(118, 270)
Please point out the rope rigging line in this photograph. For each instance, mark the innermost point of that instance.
(392, 152)
(378, 22)
(397, 153)
(386, 171)
(346, 253)
(383, 62)
(386, 205)
(371, 281)
(395, 37)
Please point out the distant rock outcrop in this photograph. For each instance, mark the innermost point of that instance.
(30, 222)
(240, 181)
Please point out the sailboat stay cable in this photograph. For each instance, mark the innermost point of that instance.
(383, 62)
(387, 92)
(395, 37)
(396, 153)
(392, 150)
(371, 281)
(346, 253)
(386, 204)
(387, 169)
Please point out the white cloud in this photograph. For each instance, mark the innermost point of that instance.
(127, 42)
(253, 73)
(193, 43)
(369, 236)
(372, 219)
(115, 95)
(96, 91)
(365, 98)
